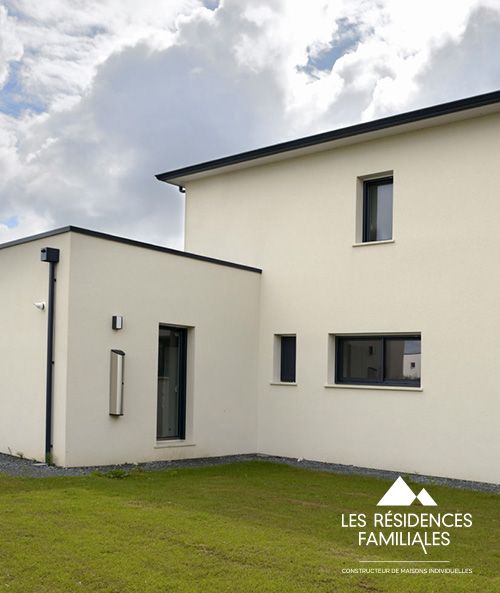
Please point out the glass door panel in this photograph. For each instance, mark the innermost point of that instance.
(171, 411)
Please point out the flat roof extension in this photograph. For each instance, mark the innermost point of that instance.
(133, 242)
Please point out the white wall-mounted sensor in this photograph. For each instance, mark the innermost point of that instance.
(117, 322)
(41, 305)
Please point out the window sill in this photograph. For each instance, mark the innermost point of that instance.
(376, 387)
(173, 443)
(281, 383)
(365, 243)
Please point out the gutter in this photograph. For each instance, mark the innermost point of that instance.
(179, 176)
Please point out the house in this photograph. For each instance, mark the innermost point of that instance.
(345, 309)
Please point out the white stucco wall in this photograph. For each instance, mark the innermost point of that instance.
(23, 349)
(221, 306)
(297, 220)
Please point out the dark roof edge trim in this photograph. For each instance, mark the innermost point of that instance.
(133, 242)
(355, 130)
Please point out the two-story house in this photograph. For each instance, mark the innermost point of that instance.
(358, 326)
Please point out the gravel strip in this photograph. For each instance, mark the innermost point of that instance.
(15, 466)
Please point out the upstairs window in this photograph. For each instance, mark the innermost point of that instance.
(377, 209)
(378, 360)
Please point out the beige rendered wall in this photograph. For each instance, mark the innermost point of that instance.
(219, 304)
(23, 349)
(297, 220)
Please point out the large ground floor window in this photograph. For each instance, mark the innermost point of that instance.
(171, 413)
(378, 360)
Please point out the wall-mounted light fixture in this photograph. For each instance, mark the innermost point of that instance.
(41, 305)
(117, 322)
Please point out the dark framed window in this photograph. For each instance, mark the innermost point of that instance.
(171, 401)
(378, 360)
(288, 355)
(377, 209)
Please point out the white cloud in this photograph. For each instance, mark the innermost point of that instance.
(65, 42)
(125, 90)
(11, 49)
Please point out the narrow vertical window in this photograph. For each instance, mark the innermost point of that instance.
(377, 209)
(171, 407)
(288, 358)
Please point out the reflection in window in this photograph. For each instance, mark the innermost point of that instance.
(171, 402)
(402, 359)
(378, 360)
(361, 359)
(377, 210)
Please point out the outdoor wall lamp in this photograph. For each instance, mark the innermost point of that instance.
(41, 305)
(117, 322)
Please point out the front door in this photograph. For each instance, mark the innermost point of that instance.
(171, 412)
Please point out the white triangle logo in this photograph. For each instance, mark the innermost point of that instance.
(401, 495)
(426, 499)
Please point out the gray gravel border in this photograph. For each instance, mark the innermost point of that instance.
(26, 468)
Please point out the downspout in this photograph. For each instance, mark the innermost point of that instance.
(51, 256)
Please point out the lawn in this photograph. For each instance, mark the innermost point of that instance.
(251, 527)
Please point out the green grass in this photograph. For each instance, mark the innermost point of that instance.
(252, 527)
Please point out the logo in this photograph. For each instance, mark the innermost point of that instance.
(401, 495)
(416, 528)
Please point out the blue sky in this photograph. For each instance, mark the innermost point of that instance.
(98, 96)
(14, 100)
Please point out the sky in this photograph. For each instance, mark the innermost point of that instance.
(96, 96)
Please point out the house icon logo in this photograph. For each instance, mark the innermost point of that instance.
(401, 495)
